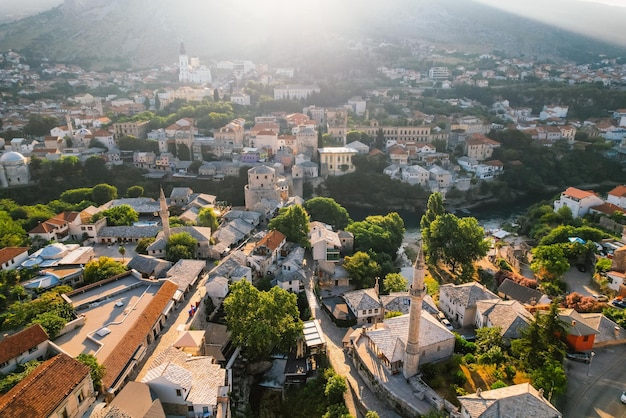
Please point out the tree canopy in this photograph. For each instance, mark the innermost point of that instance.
(326, 210)
(363, 269)
(118, 215)
(380, 234)
(97, 370)
(293, 222)
(181, 246)
(457, 241)
(102, 193)
(395, 282)
(261, 321)
(434, 208)
(102, 268)
(208, 218)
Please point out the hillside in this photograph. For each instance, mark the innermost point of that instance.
(140, 33)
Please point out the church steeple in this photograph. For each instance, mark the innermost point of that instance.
(417, 293)
(164, 213)
(182, 49)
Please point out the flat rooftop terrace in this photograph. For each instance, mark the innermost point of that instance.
(116, 306)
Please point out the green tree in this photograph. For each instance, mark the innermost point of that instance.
(362, 269)
(184, 154)
(134, 191)
(102, 193)
(395, 282)
(118, 215)
(180, 246)
(208, 218)
(326, 210)
(261, 321)
(76, 195)
(11, 233)
(95, 169)
(102, 268)
(434, 209)
(51, 322)
(487, 338)
(372, 414)
(122, 251)
(143, 244)
(468, 245)
(380, 234)
(97, 370)
(293, 222)
(549, 262)
(335, 388)
(12, 379)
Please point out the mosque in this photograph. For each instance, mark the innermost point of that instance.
(13, 169)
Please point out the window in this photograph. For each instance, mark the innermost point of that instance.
(80, 397)
(369, 311)
(4, 364)
(586, 338)
(63, 413)
(364, 311)
(32, 350)
(190, 408)
(179, 392)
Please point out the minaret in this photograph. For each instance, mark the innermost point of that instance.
(183, 64)
(417, 293)
(165, 215)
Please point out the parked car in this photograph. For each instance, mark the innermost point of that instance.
(601, 298)
(447, 324)
(620, 303)
(579, 356)
(623, 397)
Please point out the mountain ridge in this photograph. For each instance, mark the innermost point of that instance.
(141, 33)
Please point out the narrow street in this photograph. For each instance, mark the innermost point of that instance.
(339, 360)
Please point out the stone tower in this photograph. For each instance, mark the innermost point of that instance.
(417, 293)
(183, 64)
(165, 215)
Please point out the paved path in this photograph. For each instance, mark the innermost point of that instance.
(342, 364)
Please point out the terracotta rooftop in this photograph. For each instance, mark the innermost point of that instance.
(42, 391)
(619, 191)
(60, 219)
(121, 355)
(9, 253)
(577, 193)
(272, 240)
(16, 344)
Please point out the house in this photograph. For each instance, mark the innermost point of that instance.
(359, 146)
(266, 252)
(135, 400)
(365, 305)
(508, 315)
(398, 154)
(56, 228)
(11, 257)
(188, 386)
(440, 178)
(479, 147)
(458, 302)
(59, 387)
(509, 290)
(521, 400)
(217, 287)
(336, 161)
(580, 336)
(26, 345)
(291, 277)
(325, 243)
(180, 195)
(149, 267)
(414, 174)
(186, 273)
(200, 233)
(617, 196)
(578, 201)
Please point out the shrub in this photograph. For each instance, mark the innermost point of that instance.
(460, 378)
(510, 372)
(498, 384)
(469, 358)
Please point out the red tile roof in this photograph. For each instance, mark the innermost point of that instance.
(18, 343)
(608, 208)
(272, 240)
(58, 220)
(619, 191)
(43, 391)
(577, 193)
(123, 352)
(9, 253)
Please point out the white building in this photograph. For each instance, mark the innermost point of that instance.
(190, 70)
(579, 201)
(295, 92)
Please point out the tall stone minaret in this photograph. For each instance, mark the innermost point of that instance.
(183, 64)
(165, 215)
(417, 292)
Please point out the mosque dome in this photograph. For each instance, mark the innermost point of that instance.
(12, 158)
